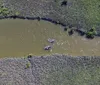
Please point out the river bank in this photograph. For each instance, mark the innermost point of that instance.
(75, 14)
(65, 26)
(50, 70)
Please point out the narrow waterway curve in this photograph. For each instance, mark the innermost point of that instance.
(23, 37)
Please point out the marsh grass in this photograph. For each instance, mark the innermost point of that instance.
(68, 70)
(51, 70)
(69, 77)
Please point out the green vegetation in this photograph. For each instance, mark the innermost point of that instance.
(91, 11)
(17, 13)
(91, 33)
(28, 65)
(4, 11)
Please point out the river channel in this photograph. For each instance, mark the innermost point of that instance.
(22, 37)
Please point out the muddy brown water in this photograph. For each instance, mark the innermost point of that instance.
(22, 37)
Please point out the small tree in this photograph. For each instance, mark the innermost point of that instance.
(91, 33)
(28, 65)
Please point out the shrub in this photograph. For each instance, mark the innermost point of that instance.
(64, 3)
(27, 65)
(92, 29)
(65, 29)
(91, 33)
(71, 32)
(4, 11)
(17, 13)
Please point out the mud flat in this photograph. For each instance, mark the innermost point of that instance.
(50, 70)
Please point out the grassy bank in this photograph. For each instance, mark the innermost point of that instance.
(50, 70)
(84, 14)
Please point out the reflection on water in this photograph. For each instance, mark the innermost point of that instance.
(22, 37)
